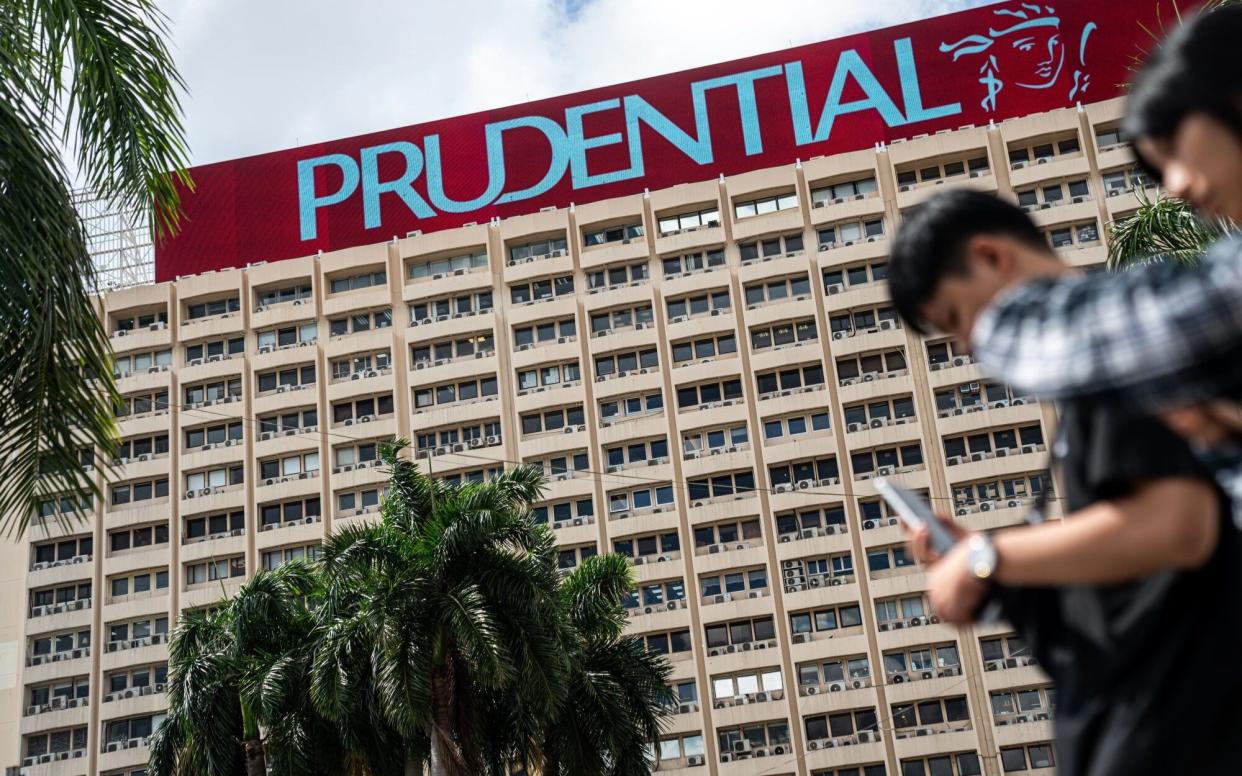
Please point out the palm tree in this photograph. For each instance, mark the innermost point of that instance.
(436, 611)
(1162, 229)
(98, 73)
(618, 694)
(237, 699)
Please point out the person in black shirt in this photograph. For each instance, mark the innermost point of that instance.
(1129, 602)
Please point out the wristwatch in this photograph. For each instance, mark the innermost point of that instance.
(981, 558)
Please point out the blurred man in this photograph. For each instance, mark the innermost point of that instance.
(1128, 602)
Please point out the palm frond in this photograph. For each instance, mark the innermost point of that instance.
(1161, 229)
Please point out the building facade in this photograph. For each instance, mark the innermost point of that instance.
(710, 374)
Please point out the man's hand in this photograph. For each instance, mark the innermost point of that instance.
(954, 593)
(1207, 424)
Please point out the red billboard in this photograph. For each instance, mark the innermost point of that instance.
(1008, 59)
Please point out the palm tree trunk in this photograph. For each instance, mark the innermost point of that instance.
(551, 759)
(444, 758)
(252, 744)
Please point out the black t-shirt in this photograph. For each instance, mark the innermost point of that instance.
(1145, 672)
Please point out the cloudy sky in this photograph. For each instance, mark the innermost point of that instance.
(270, 74)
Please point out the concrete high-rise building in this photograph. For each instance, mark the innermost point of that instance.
(711, 375)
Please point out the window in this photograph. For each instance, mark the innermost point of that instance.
(923, 661)
(290, 512)
(607, 321)
(357, 322)
(363, 409)
(210, 479)
(908, 176)
(141, 363)
(64, 549)
(753, 736)
(619, 275)
(740, 632)
(487, 434)
(709, 394)
(215, 570)
(835, 670)
(211, 526)
(465, 262)
(828, 619)
(196, 310)
(217, 434)
(785, 381)
(794, 286)
(770, 247)
(288, 422)
(287, 336)
(568, 557)
(552, 420)
(838, 279)
(151, 320)
(547, 331)
(965, 763)
(782, 334)
(445, 351)
(539, 249)
(541, 290)
(144, 490)
(1015, 758)
(941, 355)
(881, 412)
(665, 545)
(136, 677)
(215, 350)
(687, 263)
(1030, 700)
(731, 532)
(286, 379)
(659, 594)
(60, 598)
(449, 393)
(811, 519)
(652, 497)
(266, 297)
(559, 513)
(136, 447)
(361, 364)
(340, 284)
(422, 313)
(56, 742)
(274, 559)
(721, 484)
(1039, 152)
(704, 348)
(120, 730)
(138, 404)
(137, 583)
(871, 366)
(288, 466)
(712, 302)
(610, 234)
(698, 442)
(625, 362)
(836, 193)
(59, 643)
(204, 393)
(631, 406)
(1109, 137)
(730, 583)
(676, 748)
(817, 571)
(637, 452)
(863, 320)
(885, 459)
(549, 375)
(842, 724)
(812, 471)
(769, 204)
(684, 222)
(930, 712)
(903, 608)
(137, 629)
(849, 232)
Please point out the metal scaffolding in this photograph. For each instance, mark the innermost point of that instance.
(119, 241)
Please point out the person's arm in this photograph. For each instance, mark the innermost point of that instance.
(1159, 337)
(1166, 524)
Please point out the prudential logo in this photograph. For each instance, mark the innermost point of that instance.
(1026, 47)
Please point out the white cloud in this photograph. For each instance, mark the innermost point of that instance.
(278, 73)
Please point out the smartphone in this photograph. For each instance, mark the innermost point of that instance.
(915, 512)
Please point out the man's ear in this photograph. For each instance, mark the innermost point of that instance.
(989, 252)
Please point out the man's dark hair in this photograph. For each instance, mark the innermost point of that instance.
(931, 244)
(1197, 69)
